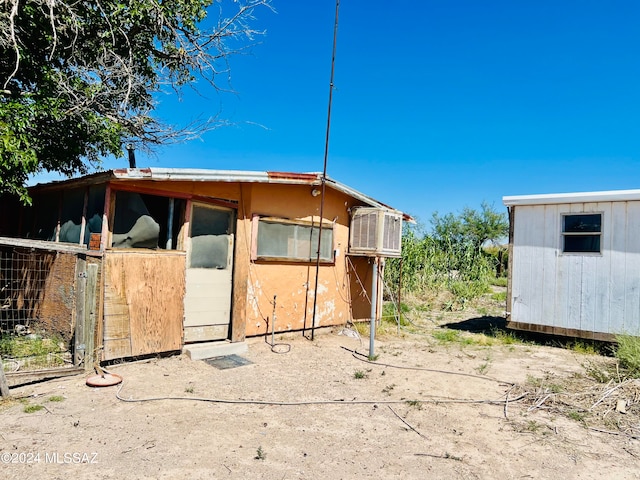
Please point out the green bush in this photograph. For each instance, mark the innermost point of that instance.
(628, 354)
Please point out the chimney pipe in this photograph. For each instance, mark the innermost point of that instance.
(132, 155)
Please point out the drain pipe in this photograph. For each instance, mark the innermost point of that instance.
(374, 305)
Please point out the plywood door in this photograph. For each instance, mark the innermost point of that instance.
(209, 274)
(142, 303)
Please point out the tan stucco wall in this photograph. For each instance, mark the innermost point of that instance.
(294, 284)
(256, 283)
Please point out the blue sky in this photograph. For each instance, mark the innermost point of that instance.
(437, 105)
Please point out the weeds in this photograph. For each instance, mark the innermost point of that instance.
(484, 367)
(56, 398)
(189, 389)
(415, 404)
(388, 389)
(627, 352)
(576, 416)
(32, 408)
(359, 374)
(20, 347)
(584, 347)
(499, 282)
(260, 454)
(533, 426)
(500, 297)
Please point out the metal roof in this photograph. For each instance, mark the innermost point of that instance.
(206, 175)
(578, 197)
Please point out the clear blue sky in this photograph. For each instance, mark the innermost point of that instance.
(437, 105)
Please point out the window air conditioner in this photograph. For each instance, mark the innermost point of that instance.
(375, 232)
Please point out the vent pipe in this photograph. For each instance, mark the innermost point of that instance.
(132, 155)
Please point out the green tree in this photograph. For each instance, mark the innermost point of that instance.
(78, 79)
(471, 226)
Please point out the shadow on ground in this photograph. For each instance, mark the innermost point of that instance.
(485, 324)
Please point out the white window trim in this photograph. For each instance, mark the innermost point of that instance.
(578, 234)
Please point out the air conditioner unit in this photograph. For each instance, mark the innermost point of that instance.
(375, 232)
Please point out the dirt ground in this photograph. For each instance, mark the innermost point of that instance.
(423, 409)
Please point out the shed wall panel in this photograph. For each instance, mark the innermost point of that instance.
(548, 290)
(632, 264)
(617, 278)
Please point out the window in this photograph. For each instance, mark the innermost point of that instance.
(293, 241)
(581, 233)
(146, 221)
(210, 237)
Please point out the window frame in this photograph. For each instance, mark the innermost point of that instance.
(564, 234)
(255, 228)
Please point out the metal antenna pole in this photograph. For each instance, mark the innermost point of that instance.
(324, 170)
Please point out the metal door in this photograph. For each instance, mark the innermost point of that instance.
(207, 304)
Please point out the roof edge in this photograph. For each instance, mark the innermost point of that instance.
(577, 197)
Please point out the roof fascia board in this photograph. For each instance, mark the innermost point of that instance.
(579, 197)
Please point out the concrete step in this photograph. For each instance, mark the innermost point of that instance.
(200, 351)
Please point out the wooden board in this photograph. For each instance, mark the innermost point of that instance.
(143, 305)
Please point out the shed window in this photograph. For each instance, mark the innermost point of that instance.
(581, 233)
(293, 241)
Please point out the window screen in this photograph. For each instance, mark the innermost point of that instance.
(293, 241)
(582, 233)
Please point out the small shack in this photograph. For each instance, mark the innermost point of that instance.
(189, 258)
(574, 264)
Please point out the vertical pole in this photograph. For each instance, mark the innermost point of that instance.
(169, 245)
(324, 170)
(4, 386)
(79, 348)
(105, 219)
(90, 316)
(374, 305)
(83, 221)
(400, 294)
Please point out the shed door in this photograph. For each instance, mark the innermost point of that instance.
(207, 304)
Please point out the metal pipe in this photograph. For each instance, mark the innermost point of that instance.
(374, 309)
(170, 224)
(273, 323)
(324, 171)
(400, 294)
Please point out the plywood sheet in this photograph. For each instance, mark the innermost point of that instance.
(145, 291)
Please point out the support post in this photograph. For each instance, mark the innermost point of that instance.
(81, 285)
(90, 316)
(4, 386)
(374, 309)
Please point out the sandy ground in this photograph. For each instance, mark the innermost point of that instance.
(422, 410)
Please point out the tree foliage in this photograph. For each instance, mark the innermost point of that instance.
(78, 79)
(452, 256)
(471, 226)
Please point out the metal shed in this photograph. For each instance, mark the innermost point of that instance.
(574, 263)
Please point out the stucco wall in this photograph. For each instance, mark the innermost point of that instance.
(340, 296)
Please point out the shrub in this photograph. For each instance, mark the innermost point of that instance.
(628, 354)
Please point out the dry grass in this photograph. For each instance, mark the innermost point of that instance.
(611, 407)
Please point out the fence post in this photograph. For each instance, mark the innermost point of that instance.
(4, 387)
(81, 285)
(90, 316)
